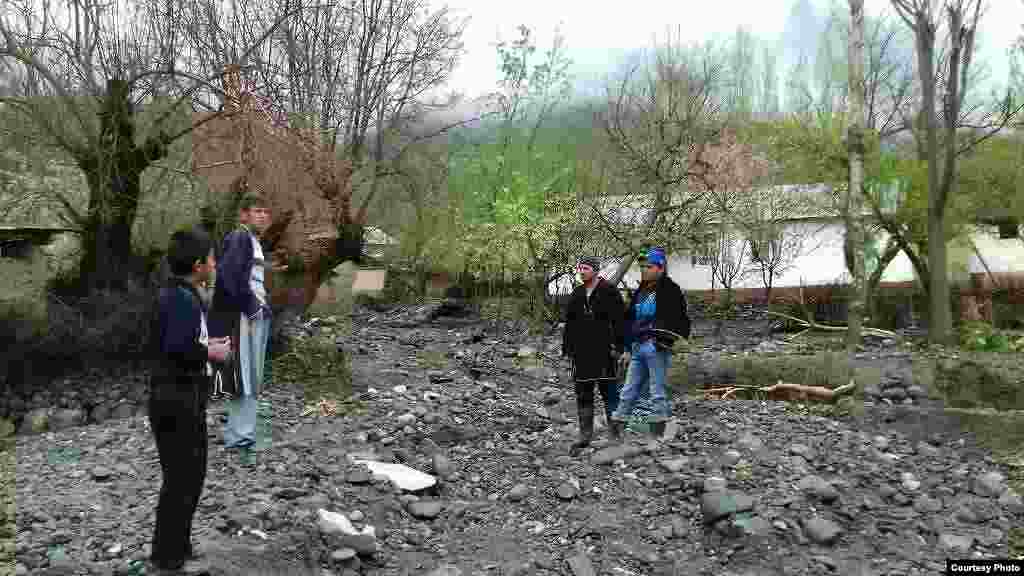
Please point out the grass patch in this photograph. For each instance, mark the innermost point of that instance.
(319, 367)
(432, 359)
(827, 369)
(1003, 434)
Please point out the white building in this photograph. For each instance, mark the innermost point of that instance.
(814, 252)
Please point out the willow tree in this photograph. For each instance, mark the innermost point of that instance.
(106, 84)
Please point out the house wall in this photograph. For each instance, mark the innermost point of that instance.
(1001, 255)
(821, 262)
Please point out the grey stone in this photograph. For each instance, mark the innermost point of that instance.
(66, 418)
(675, 465)
(745, 525)
(730, 458)
(989, 485)
(359, 476)
(613, 453)
(896, 394)
(446, 570)
(819, 488)
(1012, 502)
(427, 509)
(566, 491)
(955, 543)
(714, 483)
(342, 554)
(101, 474)
(122, 411)
(927, 505)
(719, 504)
(822, 530)
(518, 492)
(580, 565)
(916, 392)
(443, 467)
(750, 442)
(35, 422)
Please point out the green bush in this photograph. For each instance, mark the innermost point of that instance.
(982, 336)
(986, 380)
(322, 370)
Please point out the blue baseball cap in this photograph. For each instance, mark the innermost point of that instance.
(656, 256)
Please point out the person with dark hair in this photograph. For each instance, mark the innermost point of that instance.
(655, 319)
(592, 339)
(242, 309)
(179, 350)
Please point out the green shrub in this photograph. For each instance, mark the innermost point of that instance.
(981, 380)
(318, 366)
(723, 307)
(982, 336)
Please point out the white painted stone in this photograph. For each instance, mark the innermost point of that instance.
(335, 523)
(402, 476)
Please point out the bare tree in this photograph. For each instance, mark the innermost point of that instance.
(659, 124)
(771, 218)
(104, 83)
(946, 68)
(730, 254)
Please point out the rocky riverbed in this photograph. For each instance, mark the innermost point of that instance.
(737, 487)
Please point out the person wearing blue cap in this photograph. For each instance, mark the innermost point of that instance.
(593, 341)
(655, 319)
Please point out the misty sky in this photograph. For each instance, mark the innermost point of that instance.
(599, 36)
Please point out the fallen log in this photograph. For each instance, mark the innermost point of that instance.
(809, 324)
(786, 392)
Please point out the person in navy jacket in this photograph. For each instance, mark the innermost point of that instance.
(242, 309)
(655, 318)
(179, 351)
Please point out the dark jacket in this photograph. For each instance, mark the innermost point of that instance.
(592, 330)
(232, 294)
(176, 357)
(671, 320)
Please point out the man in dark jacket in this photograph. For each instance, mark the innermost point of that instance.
(655, 319)
(241, 308)
(592, 339)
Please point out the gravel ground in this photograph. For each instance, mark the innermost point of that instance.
(738, 487)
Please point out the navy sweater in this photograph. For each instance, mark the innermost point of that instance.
(178, 359)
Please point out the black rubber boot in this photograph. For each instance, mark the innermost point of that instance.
(585, 411)
(658, 429)
(616, 429)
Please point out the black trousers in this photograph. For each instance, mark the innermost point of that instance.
(585, 400)
(179, 427)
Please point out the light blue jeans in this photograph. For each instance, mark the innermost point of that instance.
(252, 353)
(648, 368)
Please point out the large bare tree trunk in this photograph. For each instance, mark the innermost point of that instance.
(854, 197)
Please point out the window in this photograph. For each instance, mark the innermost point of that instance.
(701, 256)
(758, 249)
(15, 249)
(1009, 229)
(760, 246)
